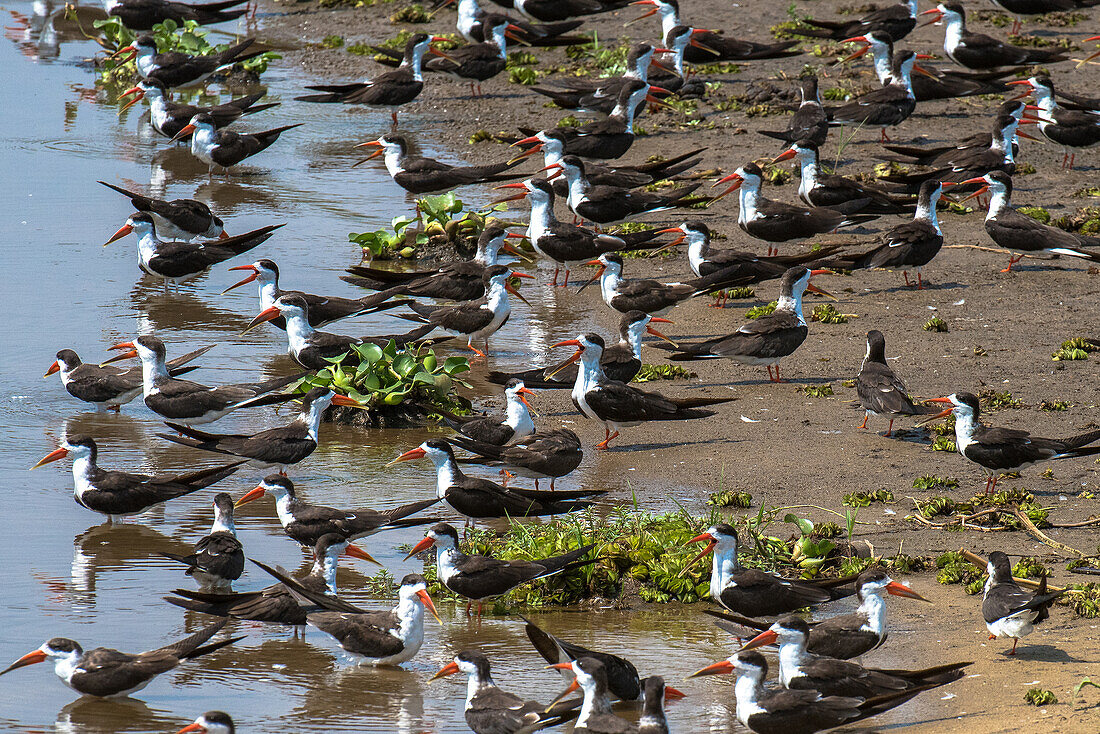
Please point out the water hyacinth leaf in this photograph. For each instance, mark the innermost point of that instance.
(456, 365)
(424, 378)
(404, 364)
(370, 353)
(390, 350)
(805, 525)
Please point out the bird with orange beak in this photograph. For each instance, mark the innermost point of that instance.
(212, 722)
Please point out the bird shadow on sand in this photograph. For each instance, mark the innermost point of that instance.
(1042, 653)
(667, 445)
(902, 288)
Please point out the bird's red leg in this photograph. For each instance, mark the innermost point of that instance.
(920, 283)
(1012, 260)
(555, 280)
(906, 274)
(1014, 641)
(393, 116)
(116, 408)
(883, 137)
(1072, 158)
(476, 351)
(552, 480)
(993, 637)
(505, 476)
(469, 605)
(863, 425)
(890, 428)
(565, 283)
(602, 445)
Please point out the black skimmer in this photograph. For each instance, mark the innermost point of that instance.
(387, 638)
(774, 221)
(212, 722)
(191, 402)
(490, 710)
(623, 680)
(611, 137)
(478, 62)
(480, 498)
(517, 423)
(109, 388)
(315, 349)
(118, 494)
(471, 26)
(550, 11)
(1020, 233)
(1008, 610)
(979, 51)
(675, 79)
(419, 175)
(1006, 449)
(460, 281)
(910, 245)
(225, 148)
(321, 310)
(276, 604)
(895, 21)
(1067, 127)
(844, 636)
(174, 69)
(604, 204)
(946, 156)
(600, 95)
(305, 523)
(552, 144)
(218, 559)
(881, 393)
(755, 593)
(802, 670)
(809, 121)
(178, 262)
(275, 447)
(651, 296)
(568, 245)
(478, 577)
(768, 339)
(392, 89)
(542, 455)
(107, 673)
(653, 720)
(834, 191)
(935, 84)
(142, 15)
(478, 319)
(168, 117)
(596, 716)
(714, 46)
(620, 361)
(1039, 7)
(891, 105)
(618, 405)
(783, 711)
(179, 219)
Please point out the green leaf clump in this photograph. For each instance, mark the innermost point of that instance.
(865, 499)
(936, 324)
(763, 310)
(1040, 697)
(654, 372)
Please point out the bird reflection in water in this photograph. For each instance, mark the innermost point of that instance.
(88, 715)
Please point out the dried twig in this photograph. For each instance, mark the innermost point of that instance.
(1029, 526)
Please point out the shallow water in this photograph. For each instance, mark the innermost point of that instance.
(68, 576)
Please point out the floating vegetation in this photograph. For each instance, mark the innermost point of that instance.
(936, 324)
(866, 499)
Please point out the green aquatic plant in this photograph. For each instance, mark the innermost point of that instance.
(1077, 348)
(936, 324)
(1040, 696)
(730, 498)
(816, 391)
(929, 482)
(654, 372)
(413, 14)
(865, 499)
(826, 313)
(763, 310)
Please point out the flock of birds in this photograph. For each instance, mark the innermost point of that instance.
(820, 686)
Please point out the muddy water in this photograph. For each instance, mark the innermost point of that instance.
(65, 575)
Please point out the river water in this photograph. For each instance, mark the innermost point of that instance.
(66, 575)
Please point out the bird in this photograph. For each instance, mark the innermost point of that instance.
(278, 603)
(891, 105)
(879, 390)
(600, 95)
(419, 175)
(274, 447)
(979, 51)
(774, 221)
(568, 245)
(784, 711)
(1000, 450)
(119, 494)
(1039, 7)
(478, 319)
(471, 26)
(175, 69)
(391, 89)
(107, 673)
(189, 402)
(605, 204)
(321, 310)
(490, 709)
(474, 497)
(478, 62)
(1019, 233)
(620, 361)
(1066, 127)
(109, 388)
(766, 340)
(1008, 610)
(715, 47)
(596, 715)
(845, 195)
(142, 15)
(168, 117)
(178, 262)
(755, 593)
(225, 148)
(218, 559)
(481, 577)
(179, 219)
(909, 245)
(305, 523)
(844, 636)
(618, 405)
(947, 155)
(387, 638)
(542, 455)
(212, 722)
(549, 11)
(895, 21)
(516, 425)
(809, 121)
(802, 670)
